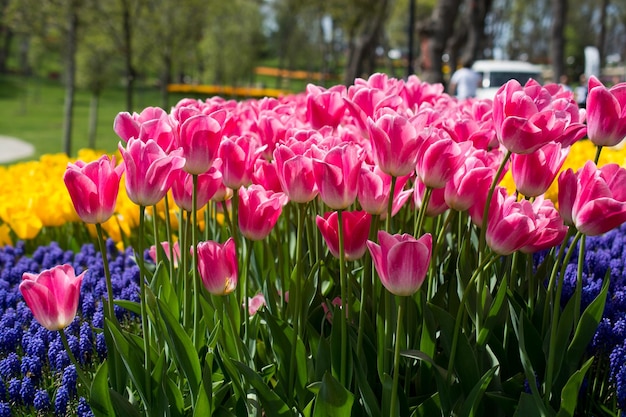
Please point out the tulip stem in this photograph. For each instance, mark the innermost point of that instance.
(392, 188)
(247, 249)
(144, 304)
(459, 314)
(366, 288)
(194, 241)
(556, 311)
(422, 211)
(155, 231)
(297, 330)
(344, 299)
(168, 234)
(596, 158)
(396, 364)
(107, 272)
(79, 371)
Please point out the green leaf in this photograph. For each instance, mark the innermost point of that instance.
(494, 314)
(132, 356)
(182, 349)
(271, 403)
(430, 407)
(529, 371)
(370, 402)
(472, 401)
(99, 398)
(587, 325)
(332, 400)
(527, 406)
(569, 394)
(122, 407)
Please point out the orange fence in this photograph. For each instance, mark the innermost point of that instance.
(225, 90)
(296, 75)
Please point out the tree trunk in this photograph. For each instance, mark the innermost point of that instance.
(559, 13)
(435, 32)
(363, 44)
(93, 118)
(70, 77)
(166, 79)
(5, 48)
(128, 54)
(602, 35)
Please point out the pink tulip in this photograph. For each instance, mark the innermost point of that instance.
(600, 203)
(437, 202)
(337, 175)
(401, 261)
(182, 189)
(533, 173)
(439, 157)
(200, 138)
(93, 188)
(549, 228)
(152, 123)
(526, 118)
(238, 155)
(259, 210)
(166, 248)
(266, 174)
(217, 264)
(325, 107)
(356, 228)
(374, 189)
(149, 171)
(469, 184)
(606, 113)
(510, 223)
(394, 144)
(255, 303)
(567, 194)
(295, 173)
(52, 295)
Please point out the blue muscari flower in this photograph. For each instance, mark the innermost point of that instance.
(69, 380)
(27, 391)
(15, 386)
(42, 400)
(3, 391)
(98, 318)
(86, 342)
(83, 409)
(61, 399)
(5, 410)
(61, 361)
(35, 346)
(31, 367)
(10, 366)
(88, 306)
(101, 347)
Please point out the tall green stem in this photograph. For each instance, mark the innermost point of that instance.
(297, 311)
(81, 375)
(396, 364)
(392, 190)
(144, 304)
(107, 272)
(194, 242)
(344, 300)
(556, 312)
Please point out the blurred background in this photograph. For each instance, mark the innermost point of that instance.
(129, 54)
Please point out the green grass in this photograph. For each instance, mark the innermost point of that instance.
(32, 110)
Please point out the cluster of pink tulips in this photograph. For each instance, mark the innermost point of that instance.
(395, 177)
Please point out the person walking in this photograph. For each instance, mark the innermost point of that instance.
(465, 81)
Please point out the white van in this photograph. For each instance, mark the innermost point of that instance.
(496, 73)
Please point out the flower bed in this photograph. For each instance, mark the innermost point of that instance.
(344, 251)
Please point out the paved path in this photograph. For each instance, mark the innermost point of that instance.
(12, 149)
